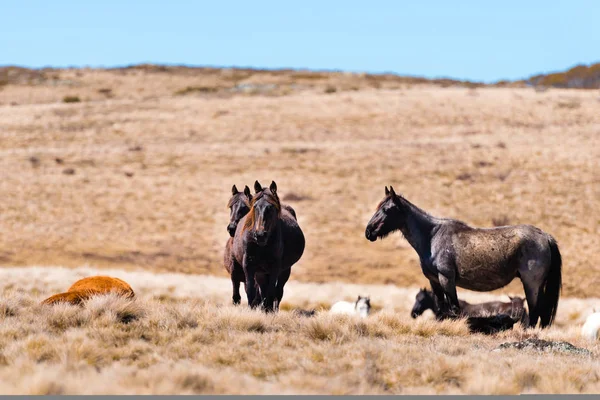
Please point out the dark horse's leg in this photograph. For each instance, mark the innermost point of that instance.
(281, 281)
(236, 290)
(237, 276)
(269, 291)
(250, 288)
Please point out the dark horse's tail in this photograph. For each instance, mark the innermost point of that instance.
(553, 286)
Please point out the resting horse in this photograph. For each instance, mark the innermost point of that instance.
(424, 300)
(267, 242)
(454, 254)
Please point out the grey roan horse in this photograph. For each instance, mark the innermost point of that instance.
(454, 254)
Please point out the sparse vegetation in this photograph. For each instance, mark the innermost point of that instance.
(71, 99)
(106, 91)
(196, 89)
(580, 77)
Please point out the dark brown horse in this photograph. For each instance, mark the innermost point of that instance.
(454, 254)
(424, 300)
(239, 205)
(266, 244)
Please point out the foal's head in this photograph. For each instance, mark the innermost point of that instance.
(239, 205)
(363, 306)
(387, 217)
(264, 213)
(423, 301)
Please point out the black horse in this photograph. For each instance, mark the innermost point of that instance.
(266, 244)
(454, 254)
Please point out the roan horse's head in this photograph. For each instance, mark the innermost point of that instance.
(239, 205)
(385, 219)
(423, 301)
(264, 213)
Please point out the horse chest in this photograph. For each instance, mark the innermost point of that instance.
(429, 269)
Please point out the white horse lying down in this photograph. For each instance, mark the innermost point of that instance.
(362, 307)
(591, 327)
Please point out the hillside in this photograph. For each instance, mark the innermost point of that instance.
(578, 77)
(51, 85)
(136, 174)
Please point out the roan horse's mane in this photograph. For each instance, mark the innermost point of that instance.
(403, 199)
(421, 211)
(272, 198)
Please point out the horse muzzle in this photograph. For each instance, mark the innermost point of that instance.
(231, 229)
(370, 235)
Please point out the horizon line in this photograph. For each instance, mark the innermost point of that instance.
(326, 70)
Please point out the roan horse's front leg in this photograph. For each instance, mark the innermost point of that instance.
(439, 297)
(448, 284)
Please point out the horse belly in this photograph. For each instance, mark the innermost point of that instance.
(486, 263)
(294, 243)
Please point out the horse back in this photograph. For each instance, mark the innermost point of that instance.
(289, 209)
(488, 258)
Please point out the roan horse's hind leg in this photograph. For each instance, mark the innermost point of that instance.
(532, 293)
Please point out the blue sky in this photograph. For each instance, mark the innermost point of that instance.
(478, 40)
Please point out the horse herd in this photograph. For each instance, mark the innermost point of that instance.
(266, 241)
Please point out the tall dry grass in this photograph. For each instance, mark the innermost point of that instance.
(182, 336)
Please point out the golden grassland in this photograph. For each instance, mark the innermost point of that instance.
(181, 335)
(140, 176)
(129, 171)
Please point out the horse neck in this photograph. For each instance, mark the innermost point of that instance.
(418, 227)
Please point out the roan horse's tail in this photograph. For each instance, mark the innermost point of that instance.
(553, 286)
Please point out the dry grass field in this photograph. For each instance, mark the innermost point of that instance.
(131, 170)
(181, 335)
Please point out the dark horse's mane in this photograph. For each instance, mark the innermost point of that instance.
(251, 216)
(233, 198)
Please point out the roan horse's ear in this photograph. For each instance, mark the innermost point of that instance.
(234, 190)
(273, 187)
(392, 193)
(387, 192)
(257, 187)
(247, 192)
